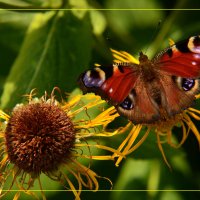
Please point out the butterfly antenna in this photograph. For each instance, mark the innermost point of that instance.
(154, 34)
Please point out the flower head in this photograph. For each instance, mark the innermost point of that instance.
(48, 141)
(43, 136)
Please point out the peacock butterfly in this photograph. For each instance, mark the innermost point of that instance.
(153, 90)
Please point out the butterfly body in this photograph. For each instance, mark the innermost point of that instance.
(153, 90)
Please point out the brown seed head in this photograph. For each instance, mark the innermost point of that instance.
(39, 137)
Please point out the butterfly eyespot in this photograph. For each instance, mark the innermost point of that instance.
(94, 78)
(185, 84)
(128, 102)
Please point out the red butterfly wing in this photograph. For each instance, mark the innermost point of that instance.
(113, 83)
(181, 59)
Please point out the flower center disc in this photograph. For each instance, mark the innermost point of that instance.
(39, 137)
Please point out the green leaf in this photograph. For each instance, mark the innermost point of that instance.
(98, 22)
(25, 3)
(56, 50)
(13, 28)
(16, 2)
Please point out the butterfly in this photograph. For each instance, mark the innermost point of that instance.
(152, 90)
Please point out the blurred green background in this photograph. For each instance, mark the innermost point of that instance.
(46, 48)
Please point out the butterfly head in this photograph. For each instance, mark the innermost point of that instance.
(143, 58)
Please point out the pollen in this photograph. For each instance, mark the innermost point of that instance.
(39, 137)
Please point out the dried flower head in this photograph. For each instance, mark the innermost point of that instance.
(43, 136)
(39, 133)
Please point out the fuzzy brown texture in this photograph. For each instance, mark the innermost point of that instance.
(39, 137)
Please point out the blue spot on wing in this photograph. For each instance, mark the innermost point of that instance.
(93, 80)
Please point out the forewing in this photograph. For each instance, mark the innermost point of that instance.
(112, 83)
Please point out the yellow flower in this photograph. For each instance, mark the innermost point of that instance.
(45, 136)
(162, 129)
